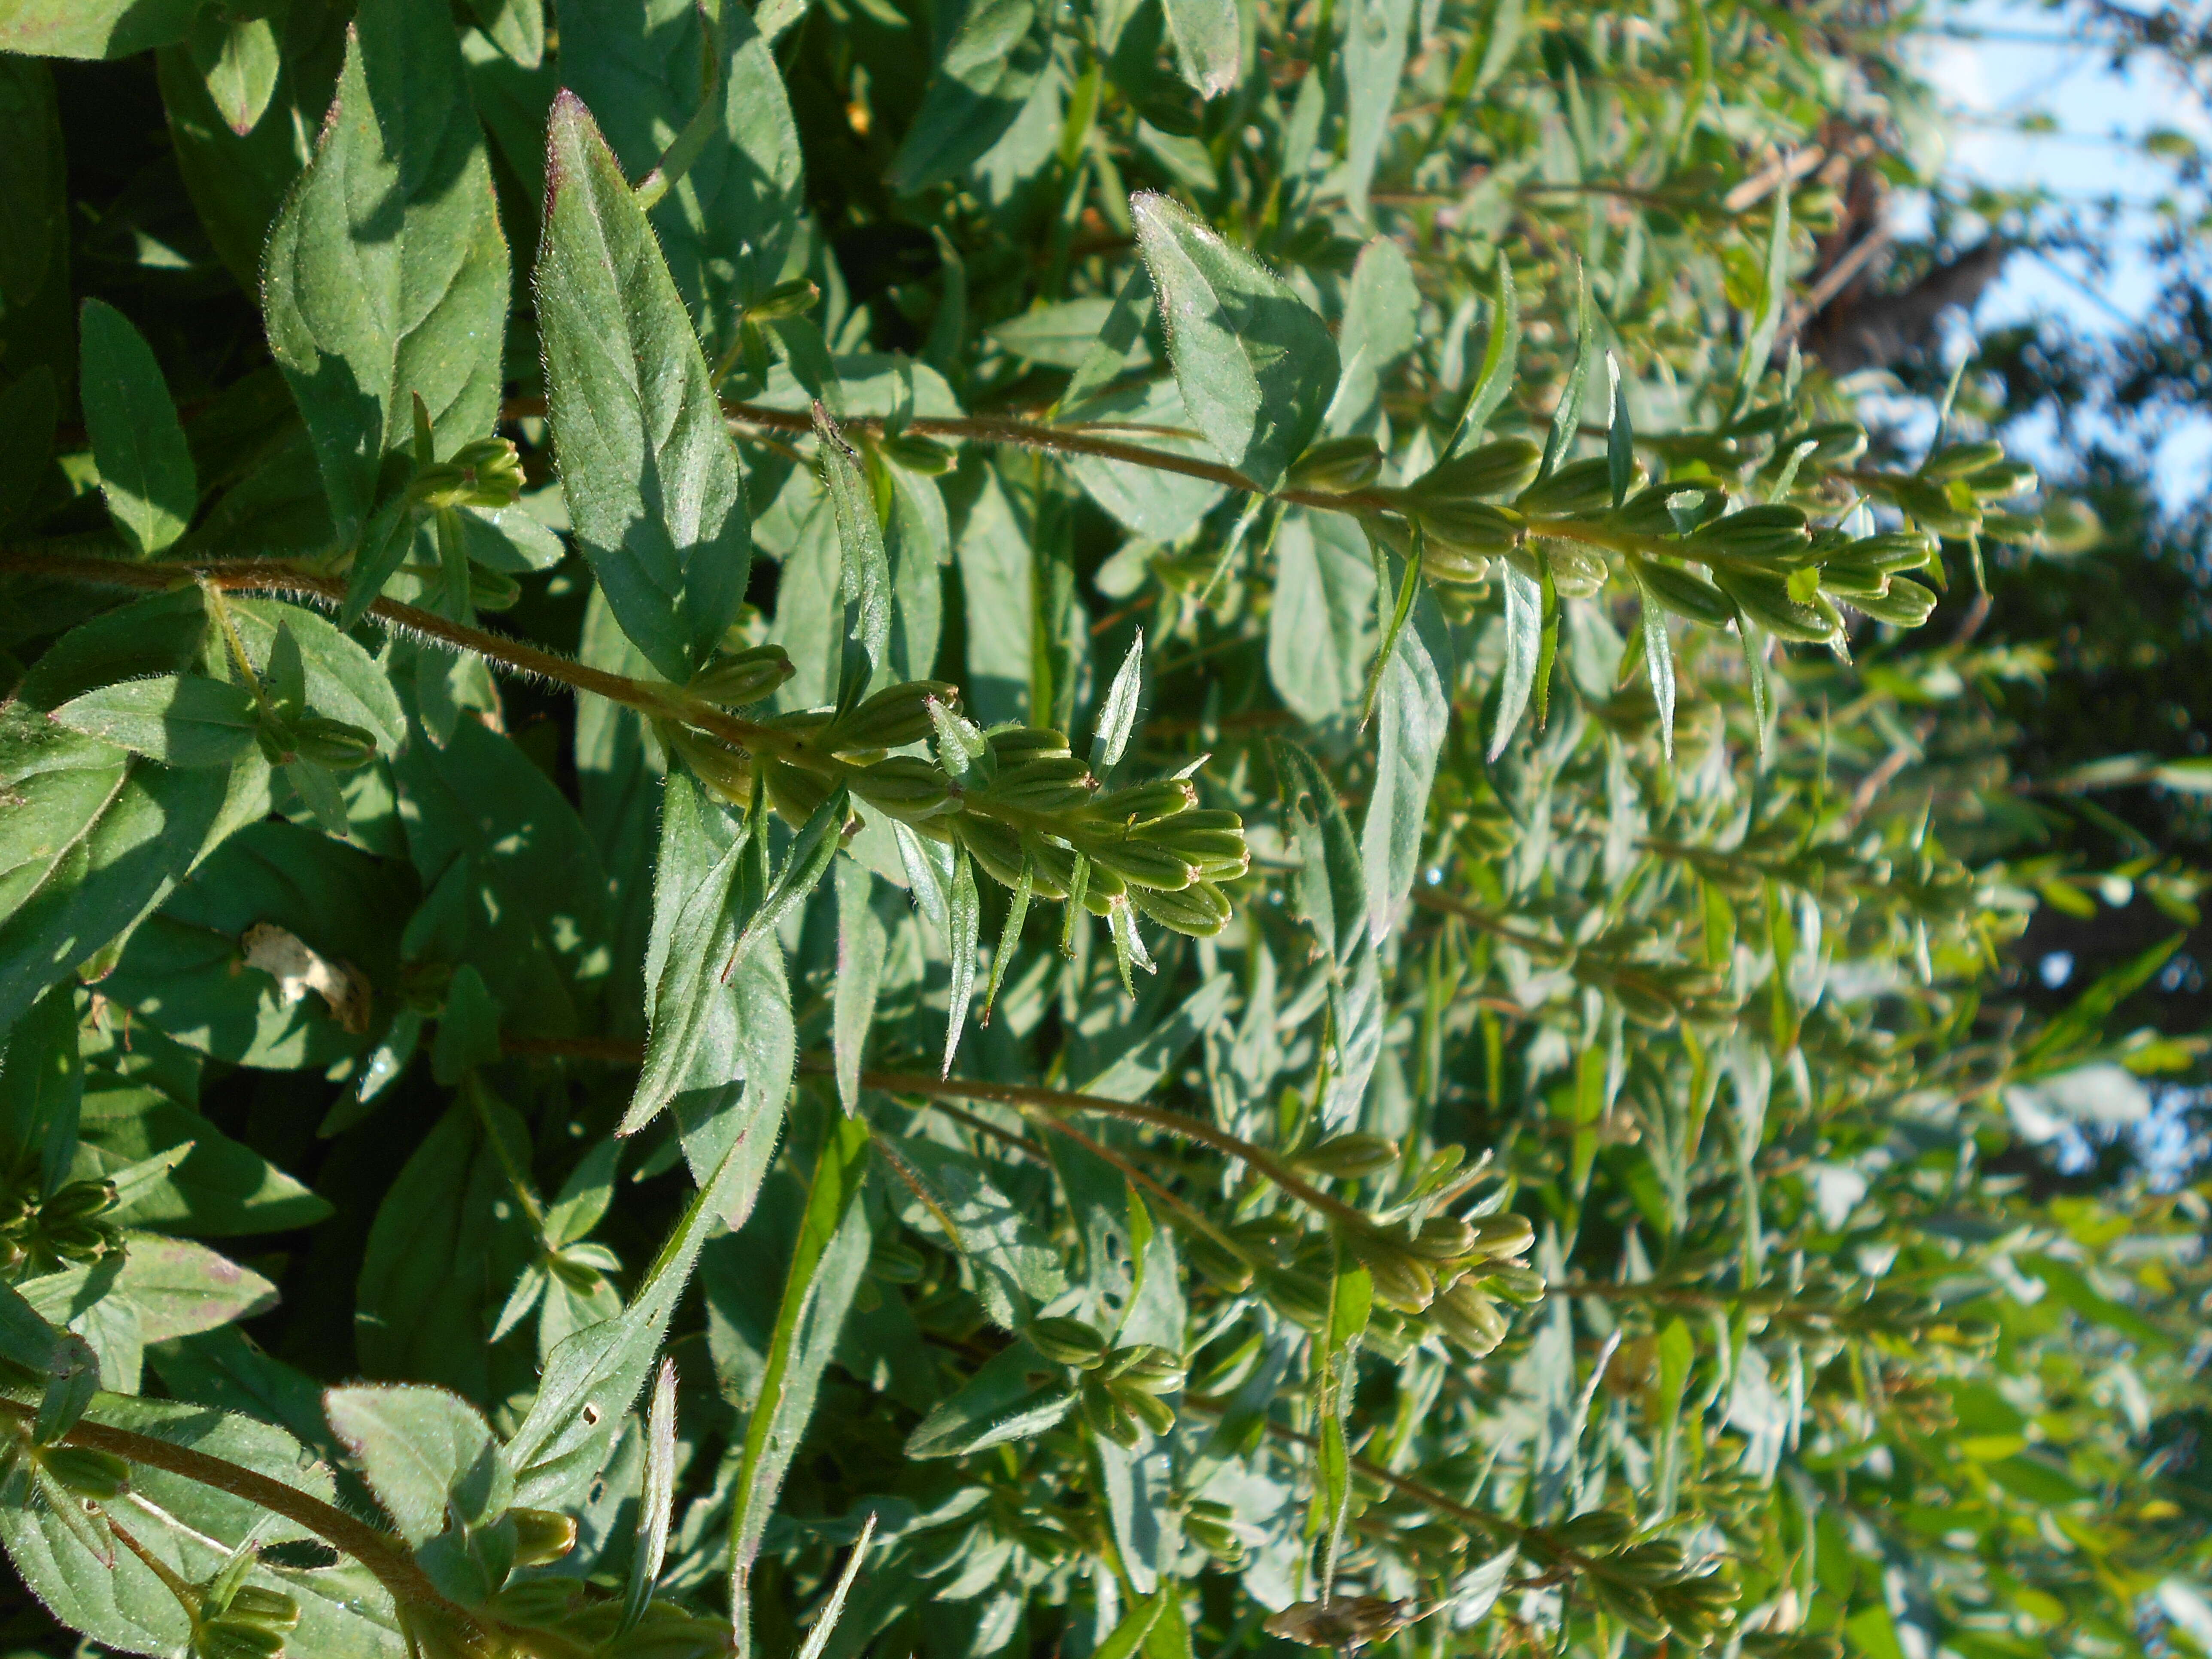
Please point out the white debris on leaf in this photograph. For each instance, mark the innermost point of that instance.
(298, 969)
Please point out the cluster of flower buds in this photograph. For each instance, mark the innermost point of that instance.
(1212, 1528)
(69, 1228)
(1689, 549)
(1453, 1271)
(1118, 1389)
(1651, 1585)
(249, 1622)
(1029, 810)
(486, 472)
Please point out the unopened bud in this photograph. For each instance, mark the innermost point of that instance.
(727, 773)
(487, 472)
(1145, 803)
(905, 786)
(1761, 535)
(78, 1202)
(1494, 471)
(1198, 911)
(1068, 1342)
(735, 679)
(332, 743)
(895, 1263)
(1142, 863)
(272, 1609)
(1835, 443)
(1765, 599)
(793, 299)
(1338, 465)
(1957, 460)
(2005, 479)
(1907, 604)
(1578, 487)
(1350, 1156)
(1684, 593)
(893, 717)
(541, 1536)
(924, 456)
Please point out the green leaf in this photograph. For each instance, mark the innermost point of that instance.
(1773, 299)
(656, 1504)
(1413, 718)
(1382, 320)
(1566, 416)
(963, 925)
(1320, 626)
(726, 227)
(826, 1267)
(426, 1455)
(1501, 359)
(239, 60)
(1114, 344)
(591, 1380)
(583, 1199)
(42, 1088)
(1017, 1394)
(1524, 612)
(866, 581)
(1332, 889)
(1209, 44)
(1374, 58)
(1117, 715)
(990, 55)
(1017, 1269)
(385, 277)
(652, 479)
(1659, 662)
(180, 719)
(517, 26)
(862, 943)
(91, 28)
(223, 1188)
(1256, 364)
(92, 840)
(145, 468)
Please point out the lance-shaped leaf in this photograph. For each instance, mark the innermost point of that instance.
(651, 475)
(1255, 362)
(385, 277)
(1117, 717)
(826, 1267)
(1374, 58)
(180, 719)
(862, 943)
(993, 54)
(657, 1503)
(1413, 714)
(1209, 44)
(865, 584)
(145, 469)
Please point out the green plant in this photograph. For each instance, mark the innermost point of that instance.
(1504, 1173)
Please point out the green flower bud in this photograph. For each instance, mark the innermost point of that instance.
(1682, 591)
(1503, 1234)
(1671, 509)
(1400, 1282)
(1853, 579)
(272, 1610)
(1895, 550)
(893, 717)
(2018, 528)
(487, 472)
(1519, 1285)
(1957, 460)
(1469, 529)
(793, 299)
(1215, 1263)
(1936, 507)
(1497, 470)
(1068, 1342)
(1014, 746)
(999, 849)
(1198, 911)
(2006, 478)
(1656, 1561)
(2070, 525)
(924, 456)
(1142, 864)
(1302, 1298)
(332, 743)
(1107, 1415)
(1150, 1410)
(1046, 786)
(727, 773)
(905, 785)
(1218, 855)
(86, 1472)
(541, 1536)
(1143, 1366)
(78, 1202)
(794, 792)
(1578, 572)
(1442, 1238)
(1337, 466)
(1907, 604)
(1145, 803)
(1594, 1530)
(1469, 1318)
(1578, 487)
(1835, 443)
(1764, 597)
(734, 680)
(1348, 1157)
(1763, 535)
(219, 1638)
(77, 1241)
(493, 590)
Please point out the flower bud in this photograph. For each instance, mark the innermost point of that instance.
(1671, 509)
(1199, 910)
(1068, 1342)
(486, 472)
(745, 677)
(2006, 478)
(1143, 1366)
(793, 299)
(1442, 1238)
(1835, 443)
(1519, 1285)
(1145, 803)
(1469, 1318)
(1017, 746)
(924, 457)
(1594, 1530)
(999, 848)
(1853, 579)
(1936, 508)
(493, 590)
(1761, 535)
(1957, 460)
(1150, 1410)
(1896, 550)
(1106, 1415)
(1764, 597)
(1302, 1298)
(1400, 1282)
(1578, 572)
(1468, 528)
(541, 1536)
(1504, 467)
(727, 773)
(1503, 1234)
(1907, 604)
(1577, 487)
(1045, 785)
(893, 717)
(1682, 591)
(78, 1202)
(1348, 1157)
(1142, 864)
(252, 1604)
(794, 792)
(332, 743)
(903, 786)
(1337, 466)
(220, 1638)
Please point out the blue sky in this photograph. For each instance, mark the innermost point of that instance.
(2004, 61)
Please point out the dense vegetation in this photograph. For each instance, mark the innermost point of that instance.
(1007, 829)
